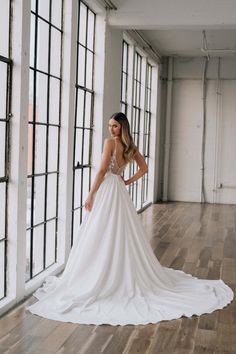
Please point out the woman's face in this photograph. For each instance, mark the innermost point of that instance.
(114, 127)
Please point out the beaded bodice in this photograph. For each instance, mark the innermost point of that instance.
(114, 167)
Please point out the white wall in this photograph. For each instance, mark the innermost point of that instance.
(186, 131)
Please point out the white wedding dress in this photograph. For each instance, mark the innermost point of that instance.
(112, 275)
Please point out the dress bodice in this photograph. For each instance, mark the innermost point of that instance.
(114, 167)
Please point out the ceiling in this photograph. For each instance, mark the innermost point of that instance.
(175, 27)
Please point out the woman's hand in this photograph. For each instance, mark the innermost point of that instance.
(89, 202)
(125, 182)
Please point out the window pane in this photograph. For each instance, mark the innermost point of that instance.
(80, 107)
(86, 147)
(2, 209)
(50, 242)
(55, 52)
(29, 190)
(43, 8)
(56, 12)
(38, 245)
(89, 70)
(41, 100)
(52, 148)
(4, 28)
(86, 174)
(42, 53)
(2, 148)
(51, 195)
(88, 110)
(82, 23)
(3, 89)
(40, 148)
(78, 146)
(39, 191)
(28, 243)
(81, 66)
(77, 191)
(2, 270)
(91, 21)
(54, 101)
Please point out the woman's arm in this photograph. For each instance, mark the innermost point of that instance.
(143, 168)
(106, 157)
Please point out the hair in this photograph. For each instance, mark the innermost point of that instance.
(126, 138)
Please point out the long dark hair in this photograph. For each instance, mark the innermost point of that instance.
(126, 138)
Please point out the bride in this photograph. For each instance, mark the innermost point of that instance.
(112, 275)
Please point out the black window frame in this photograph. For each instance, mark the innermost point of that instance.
(49, 126)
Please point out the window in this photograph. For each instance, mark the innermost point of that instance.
(43, 135)
(83, 128)
(135, 188)
(124, 78)
(147, 131)
(137, 106)
(5, 115)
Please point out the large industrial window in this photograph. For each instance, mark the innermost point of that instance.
(124, 78)
(147, 131)
(83, 127)
(5, 104)
(135, 188)
(43, 135)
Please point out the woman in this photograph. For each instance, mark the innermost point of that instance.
(112, 275)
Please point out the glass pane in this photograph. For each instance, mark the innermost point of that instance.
(51, 196)
(32, 39)
(55, 52)
(41, 100)
(2, 270)
(80, 107)
(76, 222)
(43, 8)
(81, 66)
(42, 53)
(78, 146)
(77, 191)
(86, 172)
(4, 28)
(38, 245)
(53, 149)
(91, 20)
(28, 243)
(86, 147)
(33, 5)
(39, 191)
(125, 53)
(40, 148)
(56, 13)
(54, 101)
(3, 89)
(28, 212)
(50, 242)
(31, 96)
(2, 209)
(2, 148)
(82, 23)
(30, 149)
(123, 87)
(88, 110)
(89, 70)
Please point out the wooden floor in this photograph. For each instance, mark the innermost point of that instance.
(199, 239)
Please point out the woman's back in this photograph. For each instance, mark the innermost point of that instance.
(117, 164)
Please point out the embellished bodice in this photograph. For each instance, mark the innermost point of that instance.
(113, 166)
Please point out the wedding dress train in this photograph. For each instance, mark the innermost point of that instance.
(112, 275)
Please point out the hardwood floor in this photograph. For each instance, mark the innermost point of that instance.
(199, 239)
